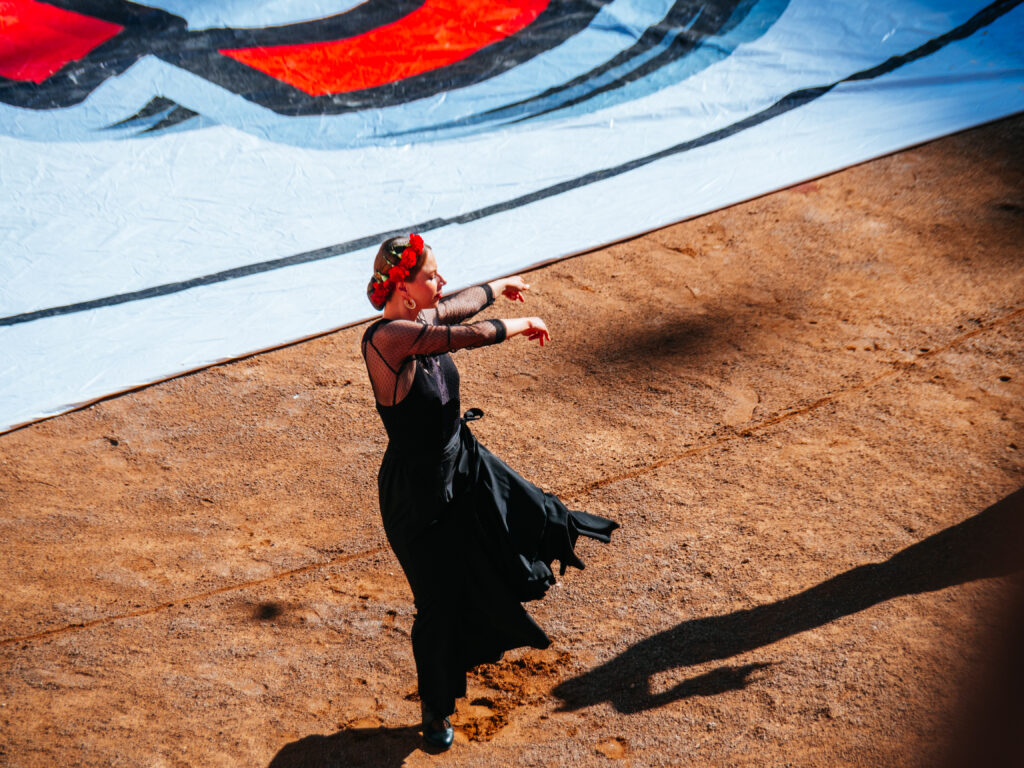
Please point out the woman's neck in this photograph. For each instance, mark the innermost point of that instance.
(396, 310)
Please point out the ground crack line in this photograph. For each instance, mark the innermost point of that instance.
(897, 367)
(182, 600)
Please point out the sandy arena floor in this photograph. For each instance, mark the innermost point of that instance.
(807, 412)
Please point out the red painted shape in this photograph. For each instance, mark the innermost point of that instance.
(37, 39)
(438, 33)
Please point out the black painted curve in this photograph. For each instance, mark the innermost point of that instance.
(787, 103)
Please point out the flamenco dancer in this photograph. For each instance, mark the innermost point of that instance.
(474, 538)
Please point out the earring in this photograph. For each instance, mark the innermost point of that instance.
(409, 303)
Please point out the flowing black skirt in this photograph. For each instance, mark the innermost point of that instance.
(475, 540)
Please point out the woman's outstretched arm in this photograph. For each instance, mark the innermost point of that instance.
(469, 301)
(399, 340)
(532, 328)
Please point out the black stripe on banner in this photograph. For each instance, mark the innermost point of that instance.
(787, 103)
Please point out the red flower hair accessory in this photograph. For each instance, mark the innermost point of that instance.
(400, 264)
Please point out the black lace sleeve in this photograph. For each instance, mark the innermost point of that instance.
(465, 303)
(389, 348)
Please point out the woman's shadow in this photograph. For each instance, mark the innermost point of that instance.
(352, 748)
(988, 545)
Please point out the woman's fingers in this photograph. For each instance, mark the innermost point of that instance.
(541, 334)
(513, 287)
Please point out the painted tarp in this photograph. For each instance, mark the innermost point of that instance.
(188, 181)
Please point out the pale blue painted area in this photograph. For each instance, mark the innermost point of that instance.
(750, 20)
(207, 14)
(614, 28)
(81, 220)
(844, 40)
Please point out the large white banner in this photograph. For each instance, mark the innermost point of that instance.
(186, 182)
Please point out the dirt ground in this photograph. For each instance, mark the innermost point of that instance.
(806, 411)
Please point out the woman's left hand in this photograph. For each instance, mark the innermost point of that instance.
(511, 288)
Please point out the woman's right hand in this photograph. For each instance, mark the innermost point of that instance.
(532, 327)
(512, 287)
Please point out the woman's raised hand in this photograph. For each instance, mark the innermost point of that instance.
(512, 287)
(539, 334)
(532, 328)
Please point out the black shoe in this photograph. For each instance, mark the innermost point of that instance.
(438, 734)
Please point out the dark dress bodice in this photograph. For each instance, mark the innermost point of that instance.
(428, 417)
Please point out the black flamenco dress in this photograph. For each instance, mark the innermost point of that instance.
(474, 538)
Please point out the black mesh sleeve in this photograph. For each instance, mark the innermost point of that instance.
(465, 303)
(502, 331)
(433, 339)
(389, 347)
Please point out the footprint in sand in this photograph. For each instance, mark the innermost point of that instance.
(615, 749)
(744, 399)
(481, 719)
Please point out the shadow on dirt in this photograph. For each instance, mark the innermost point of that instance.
(988, 545)
(267, 611)
(352, 748)
(680, 333)
(989, 708)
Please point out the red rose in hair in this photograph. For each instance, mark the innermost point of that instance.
(380, 293)
(398, 273)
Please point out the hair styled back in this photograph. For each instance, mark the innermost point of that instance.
(388, 255)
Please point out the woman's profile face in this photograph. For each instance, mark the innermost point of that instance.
(425, 288)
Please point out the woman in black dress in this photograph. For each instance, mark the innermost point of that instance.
(474, 538)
